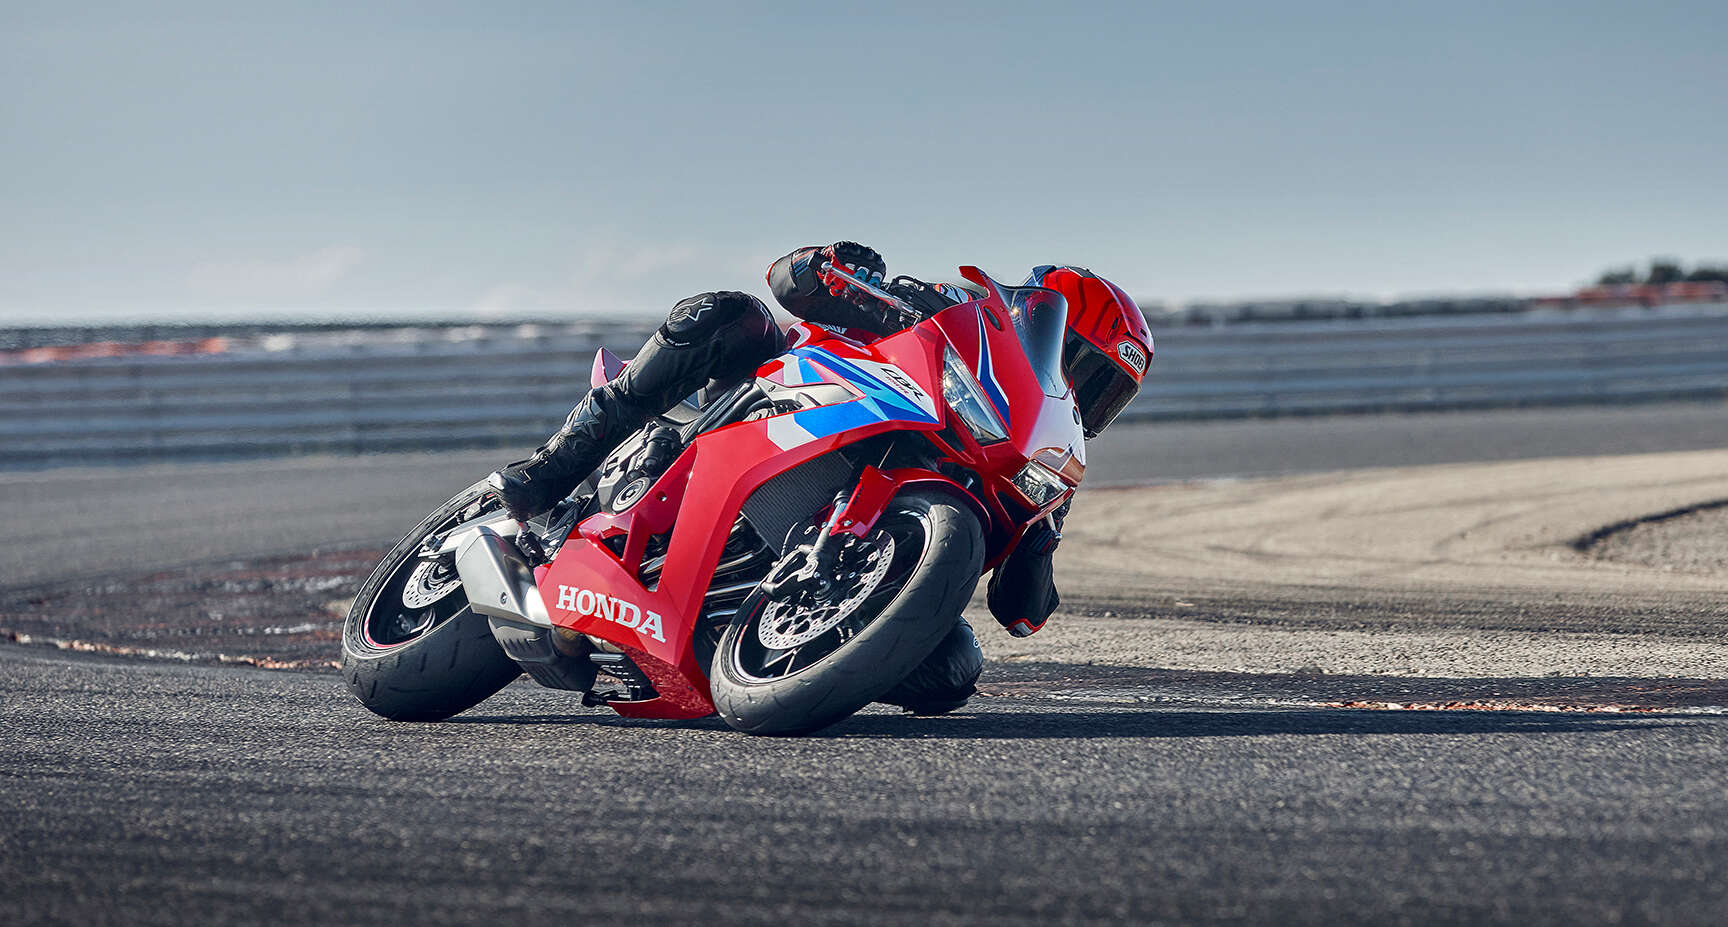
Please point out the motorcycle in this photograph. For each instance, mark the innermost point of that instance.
(781, 551)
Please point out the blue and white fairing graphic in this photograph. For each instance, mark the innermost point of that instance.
(888, 394)
(987, 374)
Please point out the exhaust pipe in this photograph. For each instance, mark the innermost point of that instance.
(498, 581)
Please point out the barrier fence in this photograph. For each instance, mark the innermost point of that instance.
(388, 395)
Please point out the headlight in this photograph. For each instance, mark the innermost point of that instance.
(967, 399)
(1039, 484)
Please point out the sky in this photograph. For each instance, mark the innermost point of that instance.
(230, 160)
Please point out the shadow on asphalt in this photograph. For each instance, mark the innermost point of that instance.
(1088, 682)
(600, 717)
(1147, 724)
(1154, 724)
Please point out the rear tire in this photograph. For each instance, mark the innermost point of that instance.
(900, 634)
(421, 673)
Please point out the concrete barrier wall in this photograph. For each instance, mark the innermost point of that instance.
(513, 391)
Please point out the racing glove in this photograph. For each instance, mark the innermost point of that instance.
(801, 288)
(926, 298)
(858, 260)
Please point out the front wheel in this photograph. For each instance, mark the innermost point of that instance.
(800, 662)
(412, 649)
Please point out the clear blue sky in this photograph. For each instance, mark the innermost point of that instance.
(184, 160)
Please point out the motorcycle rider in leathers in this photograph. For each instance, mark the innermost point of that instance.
(725, 335)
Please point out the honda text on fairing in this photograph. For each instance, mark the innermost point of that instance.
(782, 552)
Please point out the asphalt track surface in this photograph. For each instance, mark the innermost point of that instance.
(136, 792)
(168, 794)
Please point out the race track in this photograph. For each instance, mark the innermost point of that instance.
(167, 794)
(1211, 732)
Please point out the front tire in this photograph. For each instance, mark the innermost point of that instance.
(936, 552)
(424, 663)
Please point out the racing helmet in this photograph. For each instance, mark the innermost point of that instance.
(1108, 345)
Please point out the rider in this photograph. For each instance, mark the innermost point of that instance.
(726, 334)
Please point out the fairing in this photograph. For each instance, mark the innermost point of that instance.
(870, 387)
(1012, 338)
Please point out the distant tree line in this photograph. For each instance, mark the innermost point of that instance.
(1663, 270)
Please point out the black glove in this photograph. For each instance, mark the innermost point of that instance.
(858, 260)
(921, 296)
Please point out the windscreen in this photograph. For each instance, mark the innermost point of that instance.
(1040, 318)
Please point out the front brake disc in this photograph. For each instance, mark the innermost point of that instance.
(423, 588)
(788, 624)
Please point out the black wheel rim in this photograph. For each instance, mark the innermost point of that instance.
(754, 660)
(389, 621)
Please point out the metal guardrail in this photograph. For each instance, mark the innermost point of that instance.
(514, 391)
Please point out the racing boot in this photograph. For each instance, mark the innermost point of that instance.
(1022, 593)
(719, 334)
(596, 426)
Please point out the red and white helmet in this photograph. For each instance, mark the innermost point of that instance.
(1108, 346)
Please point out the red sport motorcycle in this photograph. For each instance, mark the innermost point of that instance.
(782, 551)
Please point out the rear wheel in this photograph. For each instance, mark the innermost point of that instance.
(412, 649)
(802, 661)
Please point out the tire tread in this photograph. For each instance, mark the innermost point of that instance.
(872, 663)
(454, 667)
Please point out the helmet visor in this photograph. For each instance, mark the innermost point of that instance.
(1102, 389)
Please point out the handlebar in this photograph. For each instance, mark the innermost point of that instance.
(880, 294)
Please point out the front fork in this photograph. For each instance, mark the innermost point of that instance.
(855, 512)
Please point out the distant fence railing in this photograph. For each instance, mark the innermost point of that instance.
(513, 391)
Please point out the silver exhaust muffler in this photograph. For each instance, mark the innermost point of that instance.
(501, 586)
(499, 583)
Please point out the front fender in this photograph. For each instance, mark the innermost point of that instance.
(876, 488)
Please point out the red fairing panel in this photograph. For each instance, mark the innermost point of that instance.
(895, 385)
(593, 591)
